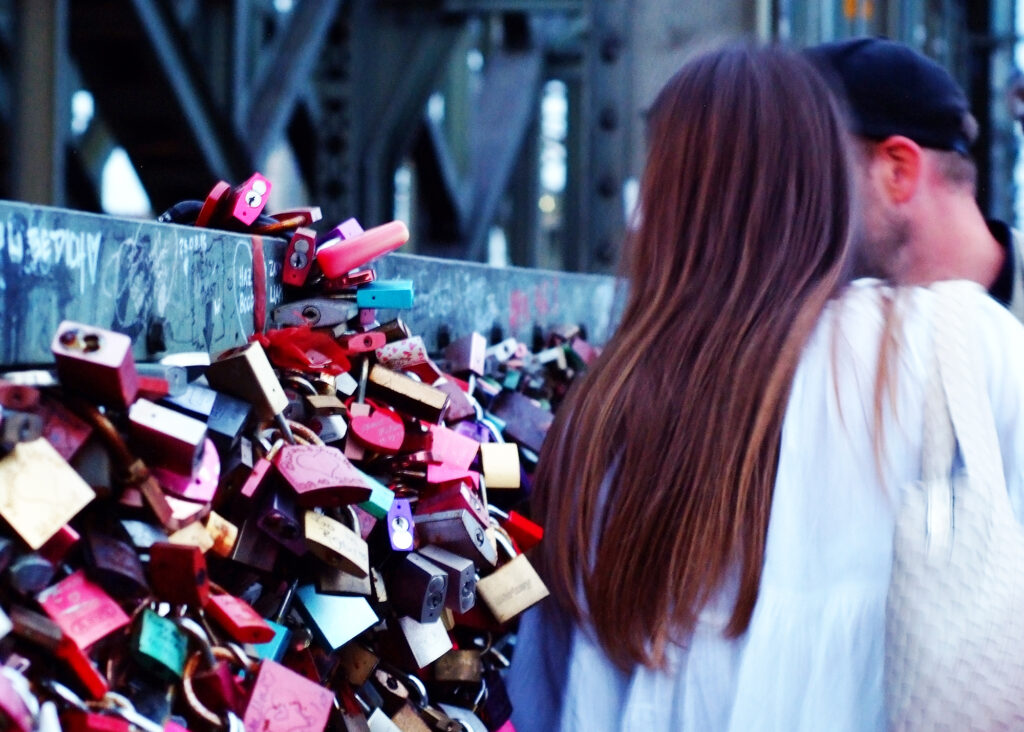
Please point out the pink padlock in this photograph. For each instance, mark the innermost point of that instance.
(202, 486)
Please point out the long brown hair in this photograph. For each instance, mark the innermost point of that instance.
(656, 479)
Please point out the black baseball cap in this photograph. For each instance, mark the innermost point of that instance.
(891, 89)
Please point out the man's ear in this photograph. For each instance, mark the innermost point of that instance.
(900, 160)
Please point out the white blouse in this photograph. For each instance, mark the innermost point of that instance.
(812, 656)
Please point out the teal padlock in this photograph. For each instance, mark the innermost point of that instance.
(386, 294)
(159, 645)
(380, 500)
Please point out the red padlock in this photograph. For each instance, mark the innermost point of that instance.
(177, 573)
(239, 619)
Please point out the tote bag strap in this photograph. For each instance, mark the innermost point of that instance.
(966, 395)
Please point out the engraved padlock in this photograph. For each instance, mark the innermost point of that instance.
(512, 587)
(283, 701)
(336, 544)
(321, 475)
(407, 395)
(82, 610)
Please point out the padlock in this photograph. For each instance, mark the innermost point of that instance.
(223, 533)
(283, 701)
(330, 428)
(467, 354)
(421, 643)
(458, 666)
(346, 282)
(407, 395)
(300, 216)
(298, 257)
(254, 548)
(246, 373)
(37, 515)
(454, 495)
(157, 380)
(95, 363)
(398, 526)
(396, 294)
(496, 710)
(347, 229)
(264, 476)
(342, 255)
(113, 562)
(321, 475)
(403, 354)
(225, 416)
(526, 423)
(500, 462)
(356, 663)
(18, 427)
(524, 532)
(333, 581)
(238, 618)
(214, 205)
(195, 534)
(334, 619)
(56, 549)
(382, 430)
(417, 587)
(461, 592)
(248, 199)
(359, 342)
(277, 647)
(460, 533)
(452, 447)
(460, 404)
(142, 534)
(315, 312)
(512, 587)
(279, 518)
(178, 575)
(166, 438)
(92, 681)
(199, 484)
(159, 645)
(336, 544)
(30, 573)
(63, 428)
(82, 610)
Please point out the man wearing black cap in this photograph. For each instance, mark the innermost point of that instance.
(920, 221)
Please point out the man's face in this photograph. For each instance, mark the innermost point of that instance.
(881, 231)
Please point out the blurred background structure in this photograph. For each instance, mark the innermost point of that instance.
(502, 131)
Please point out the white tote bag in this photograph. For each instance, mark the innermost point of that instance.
(954, 654)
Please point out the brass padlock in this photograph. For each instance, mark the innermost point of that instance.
(500, 462)
(336, 544)
(39, 514)
(512, 587)
(356, 663)
(460, 666)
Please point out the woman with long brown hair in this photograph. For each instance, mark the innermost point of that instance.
(719, 490)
